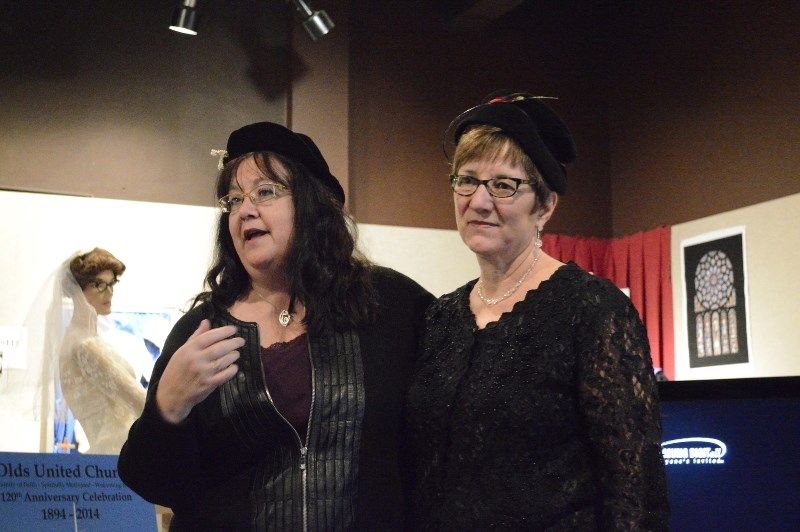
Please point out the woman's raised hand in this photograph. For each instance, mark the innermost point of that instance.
(198, 367)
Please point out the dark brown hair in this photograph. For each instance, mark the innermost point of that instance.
(85, 267)
(325, 271)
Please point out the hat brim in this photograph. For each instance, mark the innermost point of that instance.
(534, 126)
(275, 138)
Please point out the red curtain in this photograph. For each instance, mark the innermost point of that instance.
(639, 262)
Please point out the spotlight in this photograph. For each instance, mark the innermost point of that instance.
(316, 23)
(184, 19)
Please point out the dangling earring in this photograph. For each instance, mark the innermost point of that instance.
(538, 242)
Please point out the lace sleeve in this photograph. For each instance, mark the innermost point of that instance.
(620, 406)
(109, 373)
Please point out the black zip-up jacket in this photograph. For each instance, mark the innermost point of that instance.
(236, 464)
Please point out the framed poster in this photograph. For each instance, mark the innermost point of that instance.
(715, 280)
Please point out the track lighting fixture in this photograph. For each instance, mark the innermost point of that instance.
(316, 23)
(184, 18)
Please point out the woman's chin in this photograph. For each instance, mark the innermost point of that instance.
(256, 265)
(482, 246)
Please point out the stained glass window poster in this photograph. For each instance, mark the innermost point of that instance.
(715, 281)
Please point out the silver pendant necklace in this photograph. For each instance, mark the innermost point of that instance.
(495, 300)
(284, 316)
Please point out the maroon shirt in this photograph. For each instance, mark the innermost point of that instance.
(287, 372)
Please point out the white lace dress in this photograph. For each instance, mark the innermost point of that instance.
(102, 390)
(65, 346)
(100, 387)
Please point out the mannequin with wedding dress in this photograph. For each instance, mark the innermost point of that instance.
(101, 388)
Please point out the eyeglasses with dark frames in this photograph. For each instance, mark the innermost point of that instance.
(263, 193)
(499, 187)
(102, 286)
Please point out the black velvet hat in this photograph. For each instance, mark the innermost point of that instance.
(271, 137)
(528, 120)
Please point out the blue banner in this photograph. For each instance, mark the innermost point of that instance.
(63, 492)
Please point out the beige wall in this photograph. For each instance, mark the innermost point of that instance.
(772, 252)
(102, 99)
(406, 86)
(319, 94)
(680, 110)
(702, 106)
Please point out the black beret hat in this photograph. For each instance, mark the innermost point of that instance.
(532, 124)
(275, 138)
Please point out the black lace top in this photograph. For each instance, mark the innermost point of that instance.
(544, 420)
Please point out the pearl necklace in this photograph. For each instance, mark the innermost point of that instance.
(493, 301)
(284, 316)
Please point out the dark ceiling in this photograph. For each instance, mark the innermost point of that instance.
(439, 13)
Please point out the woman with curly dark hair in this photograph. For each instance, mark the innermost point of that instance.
(276, 402)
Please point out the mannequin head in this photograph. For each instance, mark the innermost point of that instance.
(96, 272)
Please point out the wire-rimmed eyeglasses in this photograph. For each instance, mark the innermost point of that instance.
(102, 286)
(263, 193)
(499, 187)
